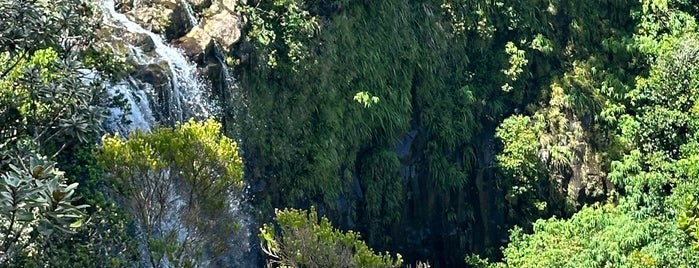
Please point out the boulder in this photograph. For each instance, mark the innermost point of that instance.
(196, 44)
(168, 4)
(229, 5)
(225, 28)
(159, 77)
(166, 17)
(154, 19)
(142, 41)
(199, 5)
(123, 6)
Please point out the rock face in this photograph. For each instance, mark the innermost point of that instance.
(219, 22)
(225, 28)
(166, 17)
(200, 5)
(197, 44)
(216, 25)
(142, 41)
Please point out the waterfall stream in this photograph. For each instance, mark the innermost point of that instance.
(190, 13)
(185, 99)
(139, 116)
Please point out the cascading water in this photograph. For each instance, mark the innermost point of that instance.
(139, 116)
(230, 89)
(185, 99)
(190, 13)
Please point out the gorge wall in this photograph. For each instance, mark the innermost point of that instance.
(385, 115)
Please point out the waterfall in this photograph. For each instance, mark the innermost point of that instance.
(190, 13)
(139, 116)
(230, 89)
(185, 98)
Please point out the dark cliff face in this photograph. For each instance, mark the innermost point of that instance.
(415, 172)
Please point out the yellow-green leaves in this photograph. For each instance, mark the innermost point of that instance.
(286, 19)
(305, 240)
(188, 148)
(191, 167)
(517, 61)
(194, 152)
(542, 44)
(519, 156)
(366, 98)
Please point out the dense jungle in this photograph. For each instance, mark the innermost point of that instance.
(339, 133)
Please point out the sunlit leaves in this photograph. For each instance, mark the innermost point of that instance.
(366, 99)
(305, 240)
(52, 100)
(599, 237)
(191, 167)
(542, 44)
(518, 61)
(284, 26)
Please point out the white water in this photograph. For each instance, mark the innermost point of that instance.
(139, 115)
(186, 100)
(231, 91)
(190, 13)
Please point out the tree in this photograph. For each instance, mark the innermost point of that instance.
(49, 102)
(35, 201)
(46, 93)
(600, 237)
(184, 174)
(306, 241)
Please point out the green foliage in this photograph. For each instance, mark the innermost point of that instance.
(108, 62)
(438, 68)
(45, 92)
(35, 203)
(366, 99)
(517, 62)
(383, 192)
(106, 237)
(282, 28)
(600, 237)
(29, 26)
(304, 240)
(192, 164)
(45, 98)
(519, 157)
(525, 180)
(653, 159)
(49, 102)
(604, 101)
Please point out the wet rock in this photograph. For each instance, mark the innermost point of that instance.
(157, 75)
(166, 17)
(142, 41)
(123, 5)
(197, 44)
(403, 148)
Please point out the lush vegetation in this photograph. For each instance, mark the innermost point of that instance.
(456, 132)
(306, 241)
(66, 201)
(433, 127)
(190, 168)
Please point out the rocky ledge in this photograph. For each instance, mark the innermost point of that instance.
(218, 21)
